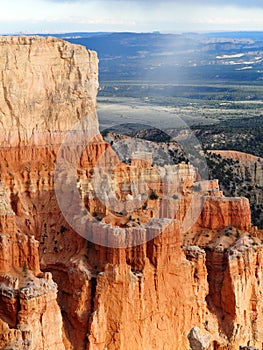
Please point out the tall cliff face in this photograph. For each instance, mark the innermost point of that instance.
(47, 85)
(93, 297)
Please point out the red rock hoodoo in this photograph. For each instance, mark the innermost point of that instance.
(190, 285)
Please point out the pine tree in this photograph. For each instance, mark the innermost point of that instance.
(25, 269)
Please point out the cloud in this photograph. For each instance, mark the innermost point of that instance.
(131, 15)
(238, 3)
(68, 1)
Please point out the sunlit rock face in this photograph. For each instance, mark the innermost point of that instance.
(47, 85)
(58, 291)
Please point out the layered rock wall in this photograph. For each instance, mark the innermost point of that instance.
(47, 85)
(148, 296)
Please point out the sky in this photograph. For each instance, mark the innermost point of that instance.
(173, 16)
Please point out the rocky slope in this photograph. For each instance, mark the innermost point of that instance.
(239, 174)
(186, 284)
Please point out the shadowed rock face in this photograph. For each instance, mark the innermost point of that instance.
(145, 297)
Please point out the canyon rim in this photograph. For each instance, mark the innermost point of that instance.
(153, 285)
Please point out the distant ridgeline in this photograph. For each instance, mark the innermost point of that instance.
(174, 58)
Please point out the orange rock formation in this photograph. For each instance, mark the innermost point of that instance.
(240, 156)
(188, 285)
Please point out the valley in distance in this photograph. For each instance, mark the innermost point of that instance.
(211, 81)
